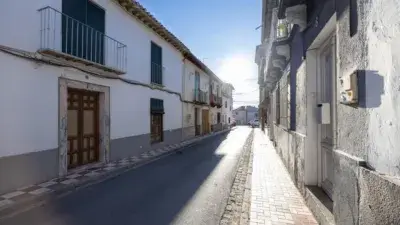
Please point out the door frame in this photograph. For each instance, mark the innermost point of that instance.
(329, 44)
(312, 152)
(104, 120)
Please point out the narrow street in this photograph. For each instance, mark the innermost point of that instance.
(191, 187)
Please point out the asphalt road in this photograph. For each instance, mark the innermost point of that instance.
(188, 188)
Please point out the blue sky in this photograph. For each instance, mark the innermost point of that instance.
(219, 32)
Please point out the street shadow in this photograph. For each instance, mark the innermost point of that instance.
(152, 194)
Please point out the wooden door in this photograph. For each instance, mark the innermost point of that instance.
(196, 121)
(205, 122)
(83, 127)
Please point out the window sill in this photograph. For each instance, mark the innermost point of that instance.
(157, 85)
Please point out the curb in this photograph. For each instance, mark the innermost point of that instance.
(22, 206)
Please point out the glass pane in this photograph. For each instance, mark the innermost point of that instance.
(327, 94)
(88, 122)
(72, 122)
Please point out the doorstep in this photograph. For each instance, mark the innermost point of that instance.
(37, 194)
(320, 205)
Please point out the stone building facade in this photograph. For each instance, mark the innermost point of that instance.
(329, 84)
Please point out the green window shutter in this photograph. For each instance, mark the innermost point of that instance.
(96, 21)
(156, 63)
(83, 27)
(74, 16)
(156, 106)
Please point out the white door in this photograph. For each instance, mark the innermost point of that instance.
(327, 90)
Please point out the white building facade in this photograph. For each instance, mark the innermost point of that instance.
(227, 104)
(86, 87)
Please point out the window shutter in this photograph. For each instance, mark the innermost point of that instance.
(96, 20)
(75, 11)
(156, 64)
(156, 106)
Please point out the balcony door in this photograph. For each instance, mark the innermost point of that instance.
(83, 27)
(197, 85)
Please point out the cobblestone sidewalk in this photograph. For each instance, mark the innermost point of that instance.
(85, 175)
(274, 197)
(235, 210)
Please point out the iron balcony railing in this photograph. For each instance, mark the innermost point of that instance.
(215, 100)
(219, 101)
(200, 96)
(62, 34)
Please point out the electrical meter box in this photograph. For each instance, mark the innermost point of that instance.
(349, 89)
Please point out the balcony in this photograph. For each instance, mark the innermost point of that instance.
(64, 36)
(199, 96)
(215, 101)
(219, 102)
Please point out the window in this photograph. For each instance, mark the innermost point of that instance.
(277, 105)
(156, 120)
(156, 64)
(284, 99)
(226, 104)
(229, 120)
(83, 30)
(218, 117)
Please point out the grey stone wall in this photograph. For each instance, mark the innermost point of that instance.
(379, 198)
(351, 122)
(301, 99)
(291, 146)
(188, 132)
(135, 145)
(369, 131)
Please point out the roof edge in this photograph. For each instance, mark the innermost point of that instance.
(139, 12)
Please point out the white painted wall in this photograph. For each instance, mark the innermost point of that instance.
(383, 85)
(226, 111)
(29, 122)
(24, 33)
(189, 77)
(29, 100)
(240, 117)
